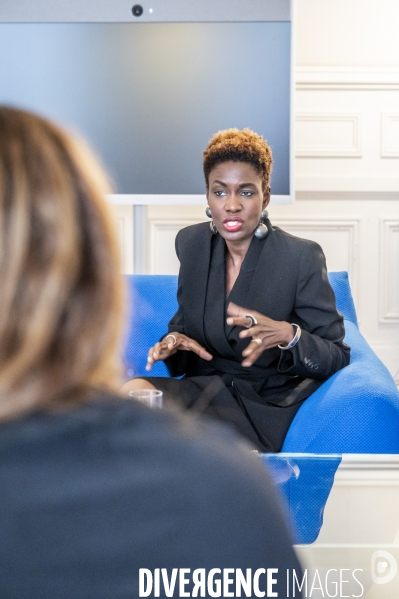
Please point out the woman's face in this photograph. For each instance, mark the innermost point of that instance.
(236, 199)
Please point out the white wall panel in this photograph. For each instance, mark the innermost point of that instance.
(390, 135)
(389, 271)
(163, 259)
(330, 159)
(328, 135)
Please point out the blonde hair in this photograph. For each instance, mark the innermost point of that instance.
(60, 289)
(239, 146)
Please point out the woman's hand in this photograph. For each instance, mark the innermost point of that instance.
(169, 346)
(267, 333)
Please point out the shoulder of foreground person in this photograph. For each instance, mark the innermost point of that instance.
(128, 425)
(110, 423)
(178, 492)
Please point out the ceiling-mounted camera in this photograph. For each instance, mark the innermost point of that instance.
(137, 10)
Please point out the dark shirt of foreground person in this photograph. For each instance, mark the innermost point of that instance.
(89, 497)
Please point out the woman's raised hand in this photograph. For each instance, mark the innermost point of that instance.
(170, 344)
(266, 333)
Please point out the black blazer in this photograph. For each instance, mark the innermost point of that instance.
(289, 284)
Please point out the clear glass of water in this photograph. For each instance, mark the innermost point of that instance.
(150, 397)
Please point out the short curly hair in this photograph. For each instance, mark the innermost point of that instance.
(239, 146)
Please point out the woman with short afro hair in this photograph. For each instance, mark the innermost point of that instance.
(239, 146)
(257, 330)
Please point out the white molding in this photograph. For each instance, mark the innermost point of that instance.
(346, 196)
(369, 461)
(121, 233)
(389, 149)
(369, 470)
(315, 77)
(389, 274)
(356, 184)
(353, 149)
(123, 219)
(369, 479)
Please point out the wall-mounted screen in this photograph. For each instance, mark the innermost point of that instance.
(149, 95)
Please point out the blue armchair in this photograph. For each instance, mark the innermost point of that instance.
(355, 411)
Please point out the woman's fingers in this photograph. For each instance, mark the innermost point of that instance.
(152, 356)
(170, 344)
(255, 345)
(241, 317)
(192, 345)
(251, 332)
(160, 351)
(172, 340)
(265, 332)
(252, 352)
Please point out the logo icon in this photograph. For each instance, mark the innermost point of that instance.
(383, 567)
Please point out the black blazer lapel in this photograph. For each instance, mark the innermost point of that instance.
(194, 248)
(272, 291)
(240, 292)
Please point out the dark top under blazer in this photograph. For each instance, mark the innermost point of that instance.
(289, 284)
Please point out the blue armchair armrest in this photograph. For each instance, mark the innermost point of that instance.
(151, 304)
(354, 411)
(357, 409)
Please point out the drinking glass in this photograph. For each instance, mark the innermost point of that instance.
(150, 397)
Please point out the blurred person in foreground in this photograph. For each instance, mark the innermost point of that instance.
(94, 487)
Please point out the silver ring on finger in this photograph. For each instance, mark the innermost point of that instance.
(258, 341)
(252, 319)
(173, 337)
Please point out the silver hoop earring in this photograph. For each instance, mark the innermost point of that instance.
(208, 212)
(261, 230)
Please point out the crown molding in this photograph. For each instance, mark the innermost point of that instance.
(347, 77)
